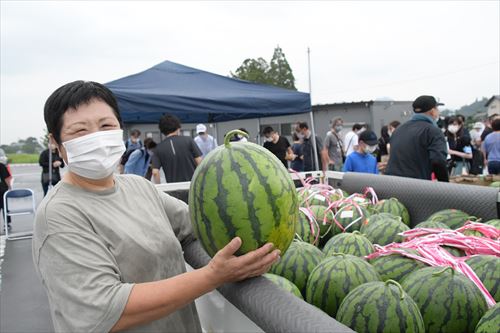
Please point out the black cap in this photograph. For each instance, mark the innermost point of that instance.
(368, 137)
(425, 103)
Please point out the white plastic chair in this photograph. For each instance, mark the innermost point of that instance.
(20, 195)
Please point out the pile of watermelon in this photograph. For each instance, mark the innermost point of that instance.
(351, 255)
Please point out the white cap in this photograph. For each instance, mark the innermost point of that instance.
(200, 128)
(478, 125)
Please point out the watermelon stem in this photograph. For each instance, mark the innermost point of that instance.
(401, 291)
(230, 134)
(443, 270)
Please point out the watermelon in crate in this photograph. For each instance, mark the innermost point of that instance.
(453, 218)
(385, 231)
(432, 225)
(449, 302)
(350, 217)
(376, 307)
(490, 322)
(242, 189)
(324, 218)
(297, 263)
(375, 217)
(396, 266)
(334, 278)
(353, 243)
(394, 207)
(307, 228)
(487, 269)
(494, 222)
(284, 284)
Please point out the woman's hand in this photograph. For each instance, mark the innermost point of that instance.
(226, 267)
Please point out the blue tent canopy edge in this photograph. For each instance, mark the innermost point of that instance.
(197, 96)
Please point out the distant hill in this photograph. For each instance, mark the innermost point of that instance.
(473, 108)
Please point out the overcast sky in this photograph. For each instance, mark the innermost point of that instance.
(359, 50)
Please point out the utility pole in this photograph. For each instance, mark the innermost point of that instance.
(311, 116)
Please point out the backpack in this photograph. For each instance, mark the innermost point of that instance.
(476, 163)
(126, 156)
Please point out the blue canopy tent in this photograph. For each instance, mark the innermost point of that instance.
(196, 96)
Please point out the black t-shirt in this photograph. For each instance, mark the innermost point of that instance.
(485, 133)
(176, 156)
(4, 174)
(279, 149)
(308, 152)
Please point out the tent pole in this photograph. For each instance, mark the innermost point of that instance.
(258, 131)
(216, 134)
(311, 116)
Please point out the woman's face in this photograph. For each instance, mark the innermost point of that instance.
(86, 119)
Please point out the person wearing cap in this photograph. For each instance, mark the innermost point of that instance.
(362, 160)
(418, 147)
(205, 141)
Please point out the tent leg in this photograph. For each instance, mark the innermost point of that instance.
(258, 131)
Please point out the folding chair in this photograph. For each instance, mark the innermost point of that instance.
(23, 200)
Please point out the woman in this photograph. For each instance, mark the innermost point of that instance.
(298, 162)
(57, 163)
(459, 145)
(139, 160)
(109, 248)
(492, 148)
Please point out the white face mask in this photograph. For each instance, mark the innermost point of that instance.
(269, 139)
(370, 149)
(453, 128)
(300, 135)
(96, 155)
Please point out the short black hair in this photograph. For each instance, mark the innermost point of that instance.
(267, 130)
(453, 119)
(495, 125)
(71, 96)
(169, 124)
(301, 125)
(295, 137)
(149, 143)
(356, 127)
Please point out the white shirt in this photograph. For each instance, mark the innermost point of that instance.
(350, 141)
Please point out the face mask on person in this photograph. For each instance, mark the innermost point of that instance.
(300, 135)
(339, 128)
(370, 149)
(96, 155)
(268, 139)
(453, 128)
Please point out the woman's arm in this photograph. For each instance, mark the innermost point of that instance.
(154, 300)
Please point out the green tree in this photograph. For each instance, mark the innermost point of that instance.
(277, 73)
(280, 73)
(254, 70)
(45, 138)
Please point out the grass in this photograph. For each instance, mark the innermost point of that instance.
(22, 158)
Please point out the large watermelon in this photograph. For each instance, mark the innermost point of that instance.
(307, 228)
(396, 266)
(334, 278)
(432, 224)
(453, 218)
(284, 284)
(495, 184)
(385, 231)
(494, 222)
(351, 217)
(487, 269)
(376, 307)
(349, 243)
(394, 207)
(297, 263)
(242, 189)
(449, 302)
(375, 217)
(490, 322)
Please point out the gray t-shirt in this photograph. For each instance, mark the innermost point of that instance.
(89, 248)
(334, 146)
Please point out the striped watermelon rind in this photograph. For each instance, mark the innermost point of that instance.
(297, 263)
(307, 230)
(396, 266)
(487, 269)
(375, 217)
(490, 322)
(284, 284)
(351, 217)
(494, 222)
(453, 218)
(334, 278)
(385, 231)
(395, 207)
(432, 224)
(354, 243)
(242, 189)
(380, 307)
(448, 301)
